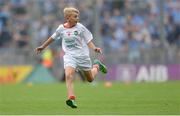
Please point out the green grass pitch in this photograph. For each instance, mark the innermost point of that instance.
(92, 99)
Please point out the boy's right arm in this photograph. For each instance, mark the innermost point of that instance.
(44, 45)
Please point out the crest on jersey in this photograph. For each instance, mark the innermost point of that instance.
(76, 33)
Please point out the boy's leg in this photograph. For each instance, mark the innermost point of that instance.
(90, 75)
(69, 72)
(97, 66)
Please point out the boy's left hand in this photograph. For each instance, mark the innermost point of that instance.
(98, 50)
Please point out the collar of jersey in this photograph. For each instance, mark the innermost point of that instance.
(68, 27)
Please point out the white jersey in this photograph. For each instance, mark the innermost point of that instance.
(74, 40)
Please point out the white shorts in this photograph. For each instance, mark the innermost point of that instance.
(77, 62)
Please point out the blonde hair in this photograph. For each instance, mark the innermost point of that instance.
(69, 10)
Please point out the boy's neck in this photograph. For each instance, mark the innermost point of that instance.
(68, 25)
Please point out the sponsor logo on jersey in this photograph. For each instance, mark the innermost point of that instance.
(68, 33)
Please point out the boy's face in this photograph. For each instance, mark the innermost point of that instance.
(73, 18)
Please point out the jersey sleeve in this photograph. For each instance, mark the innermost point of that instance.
(56, 35)
(86, 34)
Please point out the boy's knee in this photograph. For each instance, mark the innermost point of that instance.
(89, 76)
(69, 76)
(90, 80)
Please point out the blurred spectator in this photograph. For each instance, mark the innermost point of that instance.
(21, 36)
(86, 16)
(134, 48)
(5, 34)
(47, 59)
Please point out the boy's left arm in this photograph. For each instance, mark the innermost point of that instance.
(92, 46)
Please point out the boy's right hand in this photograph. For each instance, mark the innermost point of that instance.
(39, 49)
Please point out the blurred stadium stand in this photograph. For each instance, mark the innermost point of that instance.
(129, 31)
